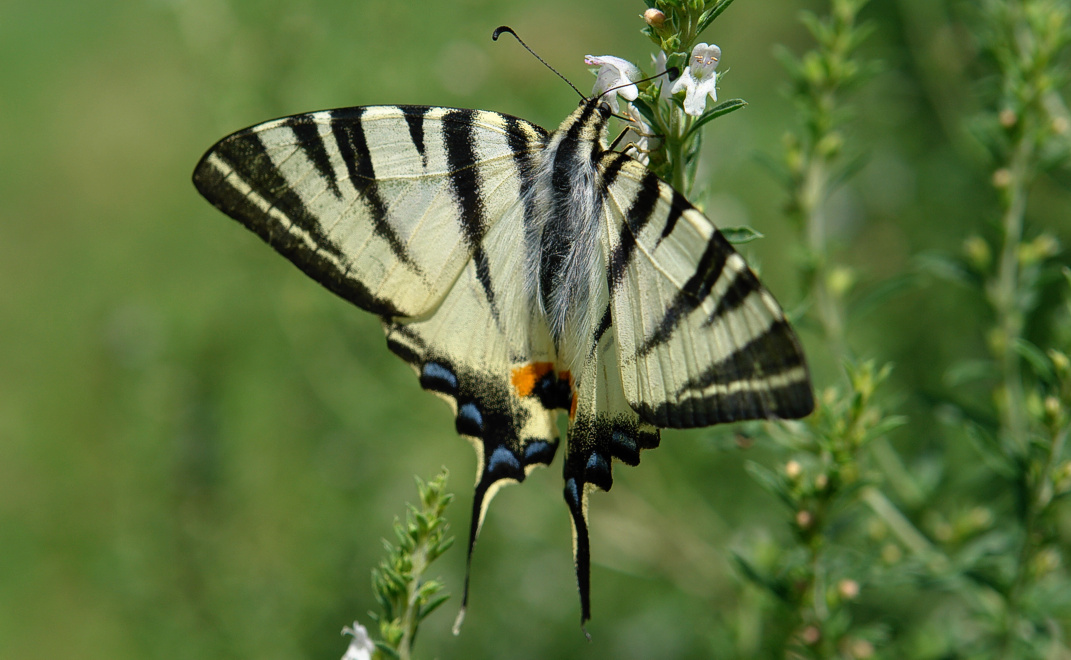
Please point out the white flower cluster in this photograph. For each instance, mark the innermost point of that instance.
(616, 77)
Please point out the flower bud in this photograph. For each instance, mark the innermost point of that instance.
(793, 470)
(654, 18)
(1002, 178)
(978, 253)
(848, 589)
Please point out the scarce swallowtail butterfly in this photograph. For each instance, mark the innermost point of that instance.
(524, 274)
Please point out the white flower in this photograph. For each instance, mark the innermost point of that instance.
(699, 80)
(614, 73)
(664, 83)
(361, 646)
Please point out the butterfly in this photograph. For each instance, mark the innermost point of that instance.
(524, 275)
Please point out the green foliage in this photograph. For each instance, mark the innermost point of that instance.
(405, 598)
(197, 444)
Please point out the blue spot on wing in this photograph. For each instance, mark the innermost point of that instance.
(469, 420)
(539, 451)
(438, 378)
(504, 462)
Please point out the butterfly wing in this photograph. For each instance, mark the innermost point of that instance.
(383, 205)
(688, 337)
(411, 213)
(701, 340)
(502, 384)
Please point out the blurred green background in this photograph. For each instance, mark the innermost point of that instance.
(200, 449)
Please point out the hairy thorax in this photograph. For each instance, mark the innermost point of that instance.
(564, 260)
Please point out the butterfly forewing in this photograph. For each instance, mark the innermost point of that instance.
(371, 202)
(701, 340)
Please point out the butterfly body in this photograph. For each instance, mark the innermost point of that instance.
(524, 275)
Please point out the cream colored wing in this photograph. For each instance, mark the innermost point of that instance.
(382, 205)
(701, 341)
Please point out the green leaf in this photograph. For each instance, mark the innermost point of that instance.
(769, 482)
(708, 16)
(740, 235)
(946, 268)
(883, 292)
(1036, 358)
(754, 575)
(723, 108)
(433, 605)
(970, 371)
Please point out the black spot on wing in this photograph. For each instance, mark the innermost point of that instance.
(353, 148)
(438, 377)
(307, 132)
(553, 391)
(314, 253)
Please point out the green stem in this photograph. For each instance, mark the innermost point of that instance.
(411, 618)
(1006, 295)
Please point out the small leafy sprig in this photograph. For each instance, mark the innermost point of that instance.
(815, 161)
(1015, 582)
(823, 485)
(405, 598)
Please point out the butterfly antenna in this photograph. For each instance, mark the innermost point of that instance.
(672, 73)
(505, 28)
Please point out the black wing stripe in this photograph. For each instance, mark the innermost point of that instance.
(743, 286)
(604, 325)
(302, 240)
(692, 294)
(307, 131)
(353, 147)
(414, 118)
(459, 141)
(677, 207)
(636, 218)
(773, 352)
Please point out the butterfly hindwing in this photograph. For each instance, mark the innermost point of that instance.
(497, 371)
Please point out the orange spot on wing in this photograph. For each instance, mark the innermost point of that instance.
(526, 376)
(572, 408)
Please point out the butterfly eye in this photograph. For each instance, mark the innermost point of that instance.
(605, 111)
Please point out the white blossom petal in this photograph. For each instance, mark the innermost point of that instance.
(361, 646)
(699, 80)
(616, 74)
(664, 83)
